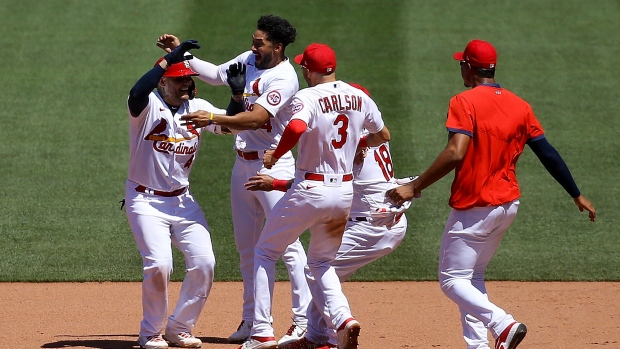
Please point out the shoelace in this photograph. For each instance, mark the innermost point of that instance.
(186, 335)
(156, 338)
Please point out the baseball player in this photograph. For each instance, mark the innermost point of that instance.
(328, 119)
(365, 238)
(160, 207)
(488, 128)
(374, 229)
(271, 82)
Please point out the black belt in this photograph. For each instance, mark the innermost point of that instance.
(248, 155)
(143, 189)
(358, 219)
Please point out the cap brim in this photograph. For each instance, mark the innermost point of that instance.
(298, 58)
(458, 56)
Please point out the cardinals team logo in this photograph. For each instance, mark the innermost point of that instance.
(165, 144)
(255, 88)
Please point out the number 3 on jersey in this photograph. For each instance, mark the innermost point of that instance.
(384, 159)
(342, 121)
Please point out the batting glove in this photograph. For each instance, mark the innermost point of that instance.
(178, 54)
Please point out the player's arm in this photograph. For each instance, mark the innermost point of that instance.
(249, 120)
(446, 161)
(555, 165)
(265, 182)
(139, 93)
(209, 72)
(290, 137)
(375, 139)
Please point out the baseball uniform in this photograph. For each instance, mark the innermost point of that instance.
(162, 211)
(321, 194)
(272, 89)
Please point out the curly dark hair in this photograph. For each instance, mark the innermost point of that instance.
(278, 30)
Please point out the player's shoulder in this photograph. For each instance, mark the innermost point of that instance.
(201, 104)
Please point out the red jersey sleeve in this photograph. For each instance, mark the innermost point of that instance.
(459, 118)
(534, 128)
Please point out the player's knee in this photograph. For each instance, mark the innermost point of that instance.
(158, 272)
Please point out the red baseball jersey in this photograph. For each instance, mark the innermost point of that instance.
(499, 124)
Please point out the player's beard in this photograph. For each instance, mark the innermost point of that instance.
(265, 61)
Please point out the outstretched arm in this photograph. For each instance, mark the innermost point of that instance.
(555, 165)
(446, 161)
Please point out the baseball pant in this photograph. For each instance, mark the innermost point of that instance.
(157, 223)
(249, 209)
(469, 242)
(321, 209)
(362, 243)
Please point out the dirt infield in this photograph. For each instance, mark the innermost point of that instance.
(392, 314)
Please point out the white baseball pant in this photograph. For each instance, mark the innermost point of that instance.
(321, 209)
(362, 243)
(249, 209)
(156, 223)
(469, 242)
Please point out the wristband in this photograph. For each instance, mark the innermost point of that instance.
(362, 143)
(210, 118)
(280, 184)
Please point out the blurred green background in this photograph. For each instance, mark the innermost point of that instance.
(67, 67)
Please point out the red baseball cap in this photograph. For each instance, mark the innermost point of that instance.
(318, 58)
(478, 53)
(360, 87)
(178, 69)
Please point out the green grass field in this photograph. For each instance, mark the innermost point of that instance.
(67, 67)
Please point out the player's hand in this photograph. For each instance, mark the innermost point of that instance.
(168, 42)
(268, 159)
(403, 193)
(585, 204)
(360, 155)
(178, 54)
(235, 76)
(261, 181)
(198, 118)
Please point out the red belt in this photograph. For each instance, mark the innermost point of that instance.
(320, 177)
(250, 155)
(167, 194)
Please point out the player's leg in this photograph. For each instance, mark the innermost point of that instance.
(294, 256)
(290, 217)
(325, 240)
(469, 242)
(190, 234)
(248, 219)
(151, 232)
(363, 243)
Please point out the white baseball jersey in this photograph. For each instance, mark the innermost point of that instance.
(335, 113)
(371, 179)
(162, 151)
(273, 89)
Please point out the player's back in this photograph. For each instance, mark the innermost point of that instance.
(336, 114)
(501, 124)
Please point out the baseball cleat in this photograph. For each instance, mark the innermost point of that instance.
(242, 334)
(294, 334)
(183, 340)
(152, 342)
(511, 336)
(348, 333)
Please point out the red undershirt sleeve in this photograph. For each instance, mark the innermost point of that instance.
(290, 137)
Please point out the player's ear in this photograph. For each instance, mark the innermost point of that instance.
(192, 89)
